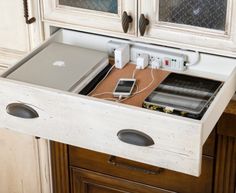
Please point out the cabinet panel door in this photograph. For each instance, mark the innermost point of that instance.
(19, 167)
(109, 6)
(13, 29)
(103, 16)
(16, 37)
(85, 181)
(199, 25)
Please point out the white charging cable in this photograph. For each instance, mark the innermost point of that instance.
(142, 90)
(103, 93)
(142, 63)
(134, 72)
(197, 60)
(150, 84)
(102, 80)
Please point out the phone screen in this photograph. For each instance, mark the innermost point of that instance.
(125, 86)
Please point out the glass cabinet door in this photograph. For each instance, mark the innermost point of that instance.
(207, 25)
(209, 14)
(99, 16)
(110, 6)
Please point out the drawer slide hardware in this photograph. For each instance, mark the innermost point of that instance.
(112, 161)
(21, 110)
(135, 137)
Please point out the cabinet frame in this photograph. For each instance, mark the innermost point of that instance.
(8, 57)
(190, 37)
(91, 20)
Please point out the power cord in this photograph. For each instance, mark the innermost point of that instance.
(142, 90)
(120, 97)
(102, 80)
(103, 93)
(134, 72)
(99, 94)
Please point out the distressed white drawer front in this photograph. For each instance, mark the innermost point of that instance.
(94, 124)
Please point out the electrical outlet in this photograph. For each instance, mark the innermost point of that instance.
(160, 58)
(112, 46)
(155, 62)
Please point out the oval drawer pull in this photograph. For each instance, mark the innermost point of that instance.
(112, 161)
(135, 137)
(21, 110)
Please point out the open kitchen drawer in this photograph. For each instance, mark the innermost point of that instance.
(92, 123)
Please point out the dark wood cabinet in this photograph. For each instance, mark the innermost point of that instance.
(85, 181)
(142, 173)
(77, 170)
(225, 170)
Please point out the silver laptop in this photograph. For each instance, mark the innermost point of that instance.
(60, 66)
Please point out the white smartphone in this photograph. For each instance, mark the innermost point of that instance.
(124, 87)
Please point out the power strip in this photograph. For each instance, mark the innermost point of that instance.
(160, 59)
(157, 58)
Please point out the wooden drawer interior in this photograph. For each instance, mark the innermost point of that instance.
(143, 78)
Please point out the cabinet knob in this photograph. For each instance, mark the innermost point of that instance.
(21, 110)
(143, 23)
(26, 13)
(126, 20)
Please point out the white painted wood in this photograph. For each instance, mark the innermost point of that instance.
(9, 58)
(19, 171)
(218, 105)
(2, 69)
(210, 66)
(93, 124)
(79, 121)
(179, 36)
(24, 162)
(45, 166)
(16, 37)
(13, 29)
(89, 20)
(190, 37)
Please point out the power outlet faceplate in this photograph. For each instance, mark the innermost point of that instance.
(160, 58)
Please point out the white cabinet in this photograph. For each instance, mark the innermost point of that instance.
(103, 16)
(19, 163)
(23, 159)
(24, 162)
(16, 37)
(208, 26)
(205, 26)
(93, 123)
